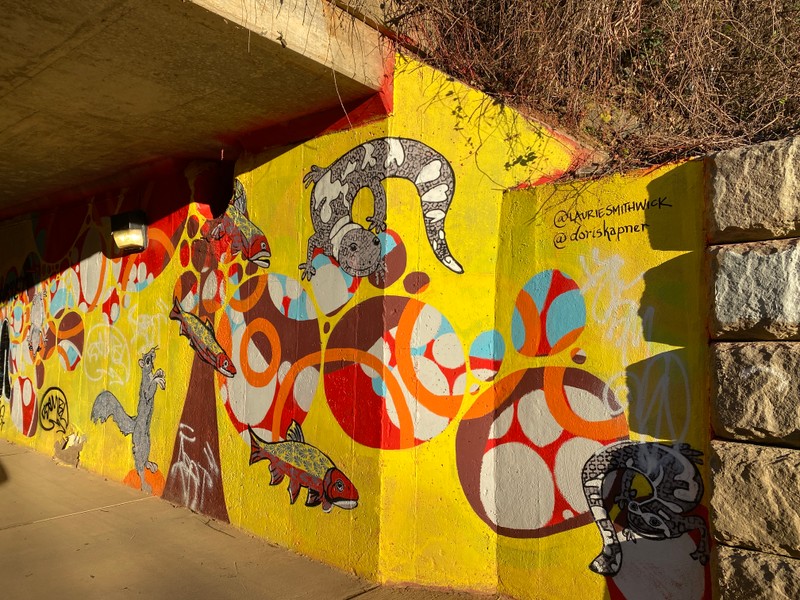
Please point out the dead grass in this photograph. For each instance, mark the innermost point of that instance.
(646, 81)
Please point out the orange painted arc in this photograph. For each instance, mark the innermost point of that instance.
(63, 354)
(492, 398)
(157, 235)
(213, 304)
(244, 305)
(260, 378)
(530, 319)
(566, 341)
(557, 402)
(65, 334)
(444, 406)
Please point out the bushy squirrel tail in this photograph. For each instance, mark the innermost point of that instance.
(106, 405)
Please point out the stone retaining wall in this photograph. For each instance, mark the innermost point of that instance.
(753, 219)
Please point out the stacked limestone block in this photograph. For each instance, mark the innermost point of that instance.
(754, 258)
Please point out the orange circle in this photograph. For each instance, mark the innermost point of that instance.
(253, 377)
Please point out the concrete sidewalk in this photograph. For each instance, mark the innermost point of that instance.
(67, 533)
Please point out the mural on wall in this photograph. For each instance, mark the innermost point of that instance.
(241, 235)
(5, 362)
(514, 405)
(526, 433)
(358, 250)
(137, 426)
(397, 364)
(208, 258)
(661, 512)
(202, 339)
(306, 466)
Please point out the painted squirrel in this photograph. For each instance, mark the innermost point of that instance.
(106, 405)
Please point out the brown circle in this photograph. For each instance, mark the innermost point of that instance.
(416, 282)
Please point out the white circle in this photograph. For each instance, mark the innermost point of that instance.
(517, 488)
(210, 286)
(570, 459)
(426, 327)
(484, 374)
(431, 376)
(330, 289)
(460, 385)
(586, 405)
(502, 424)
(305, 385)
(275, 289)
(447, 351)
(536, 420)
(283, 369)
(293, 288)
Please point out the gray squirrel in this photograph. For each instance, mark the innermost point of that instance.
(106, 405)
(358, 250)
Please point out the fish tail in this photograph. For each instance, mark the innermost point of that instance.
(255, 448)
(176, 311)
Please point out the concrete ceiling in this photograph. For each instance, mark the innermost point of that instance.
(89, 88)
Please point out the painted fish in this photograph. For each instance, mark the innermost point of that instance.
(306, 466)
(243, 235)
(202, 339)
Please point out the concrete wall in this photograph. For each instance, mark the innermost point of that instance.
(502, 390)
(753, 224)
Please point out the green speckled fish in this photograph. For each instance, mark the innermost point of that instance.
(306, 466)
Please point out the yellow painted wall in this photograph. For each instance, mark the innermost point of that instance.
(467, 465)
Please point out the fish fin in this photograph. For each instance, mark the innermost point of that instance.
(294, 433)
(275, 476)
(255, 446)
(208, 325)
(294, 490)
(326, 506)
(314, 498)
(239, 197)
(217, 232)
(175, 313)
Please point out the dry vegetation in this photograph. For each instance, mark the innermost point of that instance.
(646, 80)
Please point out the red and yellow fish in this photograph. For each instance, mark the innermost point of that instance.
(202, 339)
(306, 467)
(242, 235)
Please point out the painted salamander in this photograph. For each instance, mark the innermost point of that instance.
(676, 490)
(358, 249)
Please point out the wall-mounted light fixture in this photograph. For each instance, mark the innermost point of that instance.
(129, 231)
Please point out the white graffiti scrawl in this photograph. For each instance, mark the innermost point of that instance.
(193, 478)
